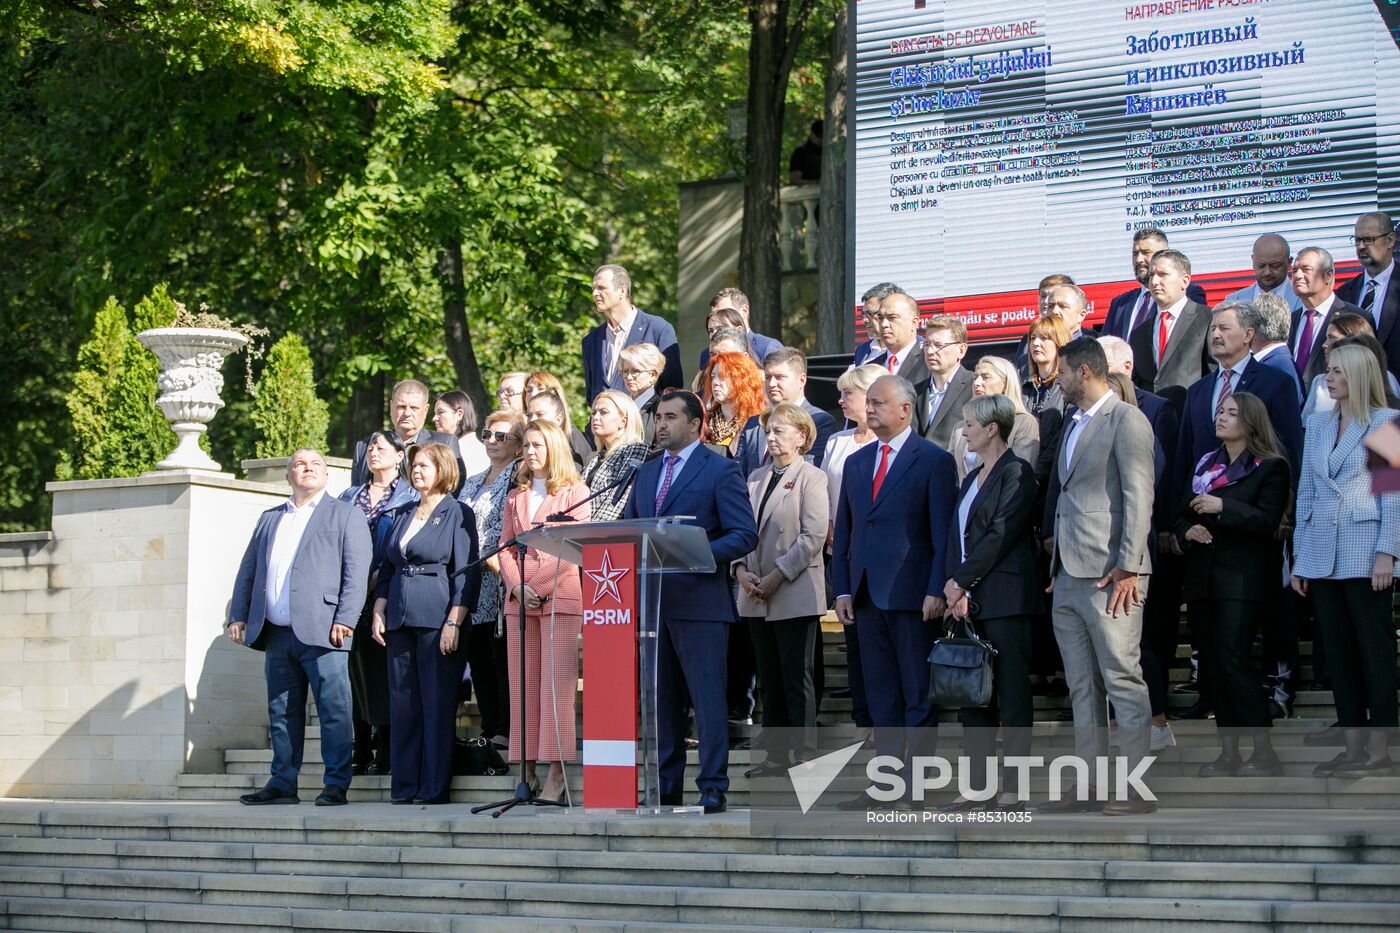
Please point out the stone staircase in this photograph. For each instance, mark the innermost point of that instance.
(144, 867)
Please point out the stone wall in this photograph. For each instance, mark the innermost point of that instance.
(117, 676)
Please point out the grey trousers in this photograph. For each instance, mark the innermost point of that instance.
(1103, 660)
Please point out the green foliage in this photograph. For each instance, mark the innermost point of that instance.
(115, 427)
(286, 411)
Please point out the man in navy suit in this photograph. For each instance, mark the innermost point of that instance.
(1230, 340)
(624, 324)
(1376, 291)
(297, 596)
(696, 608)
(738, 301)
(1271, 319)
(1134, 307)
(1314, 280)
(784, 380)
(871, 348)
(889, 565)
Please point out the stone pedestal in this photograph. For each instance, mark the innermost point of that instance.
(115, 674)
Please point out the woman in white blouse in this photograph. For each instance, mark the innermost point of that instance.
(852, 385)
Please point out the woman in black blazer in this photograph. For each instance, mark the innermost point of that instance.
(995, 584)
(424, 593)
(1233, 565)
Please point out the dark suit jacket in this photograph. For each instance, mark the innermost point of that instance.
(1279, 358)
(648, 410)
(1198, 425)
(999, 568)
(761, 345)
(940, 429)
(864, 351)
(1243, 560)
(752, 444)
(422, 584)
(1119, 309)
(913, 368)
(328, 578)
(359, 469)
(1316, 360)
(710, 488)
(1166, 428)
(1187, 356)
(647, 328)
(404, 494)
(1387, 333)
(897, 545)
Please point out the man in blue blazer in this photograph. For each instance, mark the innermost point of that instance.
(1272, 320)
(1229, 346)
(1134, 307)
(696, 608)
(735, 299)
(889, 565)
(297, 596)
(624, 324)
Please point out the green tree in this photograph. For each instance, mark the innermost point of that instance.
(286, 411)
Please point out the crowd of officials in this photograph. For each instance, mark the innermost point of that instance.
(1065, 499)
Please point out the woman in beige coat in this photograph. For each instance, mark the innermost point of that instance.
(782, 592)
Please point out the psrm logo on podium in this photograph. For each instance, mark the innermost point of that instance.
(605, 580)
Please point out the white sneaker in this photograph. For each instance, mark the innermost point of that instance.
(1162, 737)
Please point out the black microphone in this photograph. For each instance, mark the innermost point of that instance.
(564, 516)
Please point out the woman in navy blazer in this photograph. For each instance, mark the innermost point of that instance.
(994, 583)
(377, 499)
(1228, 521)
(1345, 542)
(425, 591)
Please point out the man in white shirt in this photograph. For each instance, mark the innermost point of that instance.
(299, 591)
(1272, 262)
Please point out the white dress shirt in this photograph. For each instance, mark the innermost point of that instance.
(838, 447)
(896, 444)
(285, 542)
(1378, 302)
(1080, 419)
(964, 511)
(1173, 313)
(614, 340)
(1318, 330)
(898, 356)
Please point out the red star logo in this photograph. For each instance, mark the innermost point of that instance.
(605, 579)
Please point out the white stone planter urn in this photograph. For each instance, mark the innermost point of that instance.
(190, 385)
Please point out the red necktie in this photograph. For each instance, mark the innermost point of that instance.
(880, 471)
(889, 362)
(1162, 335)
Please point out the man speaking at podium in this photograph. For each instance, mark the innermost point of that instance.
(696, 608)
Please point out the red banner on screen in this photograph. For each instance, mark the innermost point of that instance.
(610, 676)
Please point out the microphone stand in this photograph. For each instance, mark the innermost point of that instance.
(625, 481)
(524, 793)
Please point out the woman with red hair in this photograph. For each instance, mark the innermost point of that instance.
(732, 389)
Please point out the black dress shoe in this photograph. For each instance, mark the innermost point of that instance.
(378, 767)
(402, 801)
(963, 806)
(1195, 711)
(361, 767)
(269, 795)
(1383, 767)
(1223, 766)
(1260, 767)
(433, 801)
(1015, 806)
(1332, 735)
(672, 800)
(1133, 806)
(1070, 803)
(1328, 768)
(766, 769)
(331, 797)
(713, 801)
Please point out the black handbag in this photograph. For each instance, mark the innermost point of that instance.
(476, 757)
(960, 669)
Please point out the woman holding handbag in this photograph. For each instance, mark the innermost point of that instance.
(993, 587)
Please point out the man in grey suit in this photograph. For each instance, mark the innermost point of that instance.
(1102, 492)
(409, 404)
(949, 384)
(298, 594)
(1171, 348)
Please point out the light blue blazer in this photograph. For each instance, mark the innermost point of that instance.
(1341, 526)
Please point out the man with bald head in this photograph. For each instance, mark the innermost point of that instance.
(1376, 291)
(1272, 262)
(898, 320)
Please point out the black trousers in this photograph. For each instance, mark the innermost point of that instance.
(1280, 634)
(1161, 623)
(486, 653)
(1356, 626)
(369, 672)
(1227, 629)
(423, 684)
(1011, 705)
(782, 651)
